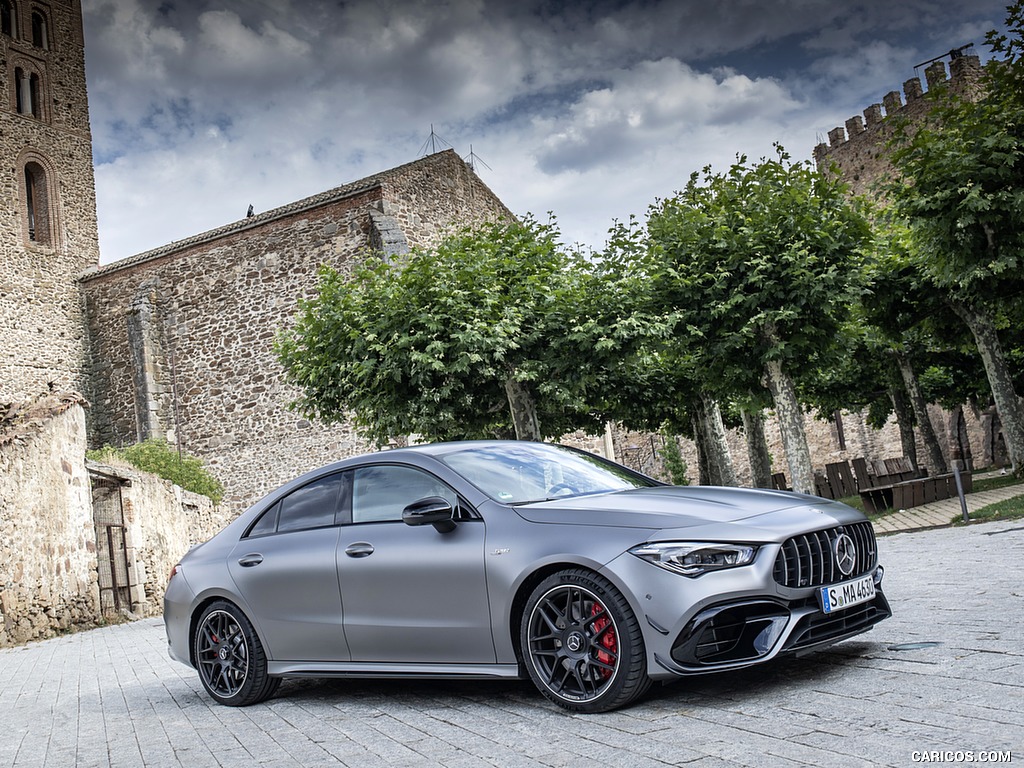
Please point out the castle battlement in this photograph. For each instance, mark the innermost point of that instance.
(858, 148)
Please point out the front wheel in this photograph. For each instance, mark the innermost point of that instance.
(230, 658)
(581, 643)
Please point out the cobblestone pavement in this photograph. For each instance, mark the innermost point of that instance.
(112, 697)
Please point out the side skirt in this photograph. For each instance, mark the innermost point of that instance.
(379, 669)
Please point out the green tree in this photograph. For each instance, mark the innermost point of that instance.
(761, 264)
(483, 335)
(657, 386)
(961, 189)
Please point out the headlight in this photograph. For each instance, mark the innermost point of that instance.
(695, 558)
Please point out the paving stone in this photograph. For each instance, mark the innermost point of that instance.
(112, 697)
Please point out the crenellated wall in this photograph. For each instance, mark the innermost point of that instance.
(858, 150)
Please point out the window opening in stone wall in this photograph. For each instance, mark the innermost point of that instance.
(37, 204)
(40, 38)
(33, 94)
(8, 25)
(20, 92)
(28, 93)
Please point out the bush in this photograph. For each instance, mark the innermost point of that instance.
(673, 459)
(161, 458)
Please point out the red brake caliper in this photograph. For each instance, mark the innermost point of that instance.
(608, 640)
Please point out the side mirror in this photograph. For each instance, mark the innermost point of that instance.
(433, 510)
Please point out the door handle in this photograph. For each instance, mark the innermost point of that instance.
(359, 549)
(250, 560)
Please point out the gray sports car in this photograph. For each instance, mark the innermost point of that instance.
(511, 559)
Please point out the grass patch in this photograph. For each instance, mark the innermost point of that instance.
(161, 458)
(995, 481)
(1010, 509)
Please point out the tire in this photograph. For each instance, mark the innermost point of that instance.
(581, 643)
(230, 658)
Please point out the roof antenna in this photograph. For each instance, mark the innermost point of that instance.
(474, 158)
(432, 143)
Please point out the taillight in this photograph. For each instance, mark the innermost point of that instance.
(174, 572)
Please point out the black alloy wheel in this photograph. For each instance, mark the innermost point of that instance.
(230, 658)
(582, 644)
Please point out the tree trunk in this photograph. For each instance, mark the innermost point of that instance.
(1011, 412)
(934, 461)
(757, 449)
(791, 425)
(523, 410)
(701, 441)
(719, 460)
(960, 453)
(905, 421)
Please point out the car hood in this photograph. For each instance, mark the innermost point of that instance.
(666, 507)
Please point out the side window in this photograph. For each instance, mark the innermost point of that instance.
(312, 506)
(381, 493)
(267, 522)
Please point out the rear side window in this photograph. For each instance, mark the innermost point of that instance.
(314, 505)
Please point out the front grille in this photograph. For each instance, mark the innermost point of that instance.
(809, 560)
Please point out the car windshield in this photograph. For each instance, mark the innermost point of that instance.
(517, 473)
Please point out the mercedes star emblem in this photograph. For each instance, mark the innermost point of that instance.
(846, 553)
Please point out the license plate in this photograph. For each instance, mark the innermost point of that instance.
(849, 593)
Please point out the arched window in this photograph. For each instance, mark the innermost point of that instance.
(28, 93)
(8, 18)
(40, 38)
(37, 204)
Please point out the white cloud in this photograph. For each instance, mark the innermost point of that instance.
(590, 109)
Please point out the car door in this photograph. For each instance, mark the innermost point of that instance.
(411, 593)
(286, 570)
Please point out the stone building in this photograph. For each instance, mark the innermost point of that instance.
(182, 335)
(177, 342)
(47, 197)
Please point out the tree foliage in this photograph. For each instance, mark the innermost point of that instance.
(464, 340)
(961, 190)
(758, 266)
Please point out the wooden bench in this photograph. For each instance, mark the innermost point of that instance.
(914, 493)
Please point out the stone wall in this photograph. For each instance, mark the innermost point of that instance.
(47, 542)
(182, 336)
(644, 451)
(42, 329)
(50, 561)
(162, 522)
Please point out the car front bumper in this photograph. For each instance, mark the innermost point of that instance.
(733, 618)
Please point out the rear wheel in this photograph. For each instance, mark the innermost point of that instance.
(582, 645)
(230, 658)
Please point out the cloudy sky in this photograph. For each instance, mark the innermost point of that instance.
(590, 110)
